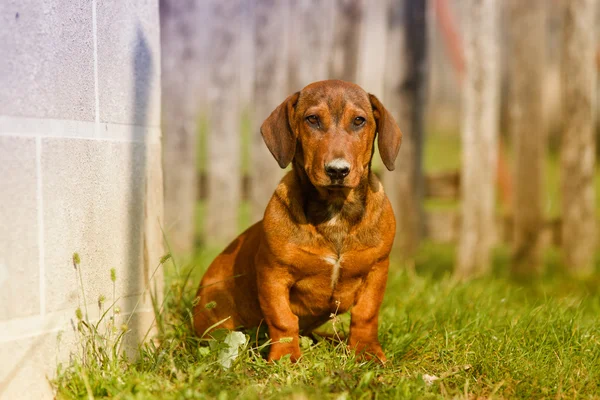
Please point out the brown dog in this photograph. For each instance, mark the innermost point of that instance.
(324, 243)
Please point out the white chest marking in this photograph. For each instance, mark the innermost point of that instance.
(335, 272)
(333, 220)
(334, 214)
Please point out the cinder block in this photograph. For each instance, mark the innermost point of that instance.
(94, 194)
(47, 60)
(129, 62)
(19, 264)
(32, 361)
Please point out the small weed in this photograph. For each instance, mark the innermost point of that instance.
(98, 352)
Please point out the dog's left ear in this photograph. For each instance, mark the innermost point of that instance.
(277, 131)
(390, 136)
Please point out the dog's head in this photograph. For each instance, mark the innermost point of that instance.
(330, 128)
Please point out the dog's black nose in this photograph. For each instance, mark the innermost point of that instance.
(337, 169)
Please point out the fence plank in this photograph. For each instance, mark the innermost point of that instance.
(526, 62)
(183, 45)
(479, 137)
(373, 42)
(223, 141)
(405, 98)
(578, 157)
(270, 89)
(348, 24)
(310, 43)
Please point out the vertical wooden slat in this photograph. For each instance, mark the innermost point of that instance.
(348, 18)
(372, 55)
(372, 47)
(310, 42)
(526, 62)
(405, 89)
(479, 137)
(578, 157)
(247, 56)
(182, 43)
(223, 141)
(270, 89)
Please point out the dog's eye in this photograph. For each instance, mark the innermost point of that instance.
(358, 121)
(313, 119)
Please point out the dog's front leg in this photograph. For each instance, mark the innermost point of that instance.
(274, 283)
(365, 312)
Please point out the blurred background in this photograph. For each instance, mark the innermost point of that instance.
(497, 101)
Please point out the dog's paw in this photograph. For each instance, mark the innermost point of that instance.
(279, 350)
(369, 351)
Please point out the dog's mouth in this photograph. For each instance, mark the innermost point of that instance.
(333, 184)
(338, 190)
(337, 186)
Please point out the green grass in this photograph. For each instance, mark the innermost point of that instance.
(490, 337)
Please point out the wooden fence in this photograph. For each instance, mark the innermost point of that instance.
(226, 58)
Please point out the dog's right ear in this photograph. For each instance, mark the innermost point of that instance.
(277, 132)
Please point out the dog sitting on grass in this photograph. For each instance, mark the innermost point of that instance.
(323, 245)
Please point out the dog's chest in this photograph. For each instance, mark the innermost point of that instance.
(332, 261)
(335, 233)
(340, 250)
(329, 284)
(329, 276)
(333, 265)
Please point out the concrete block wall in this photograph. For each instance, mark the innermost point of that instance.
(80, 171)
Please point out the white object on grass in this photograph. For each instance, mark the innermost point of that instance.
(235, 341)
(429, 379)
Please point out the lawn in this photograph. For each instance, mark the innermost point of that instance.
(493, 337)
(490, 337)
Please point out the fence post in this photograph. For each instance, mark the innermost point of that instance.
(479, 137)
(223, 141)
(526, 62)
(578, 157)
(404, 95)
